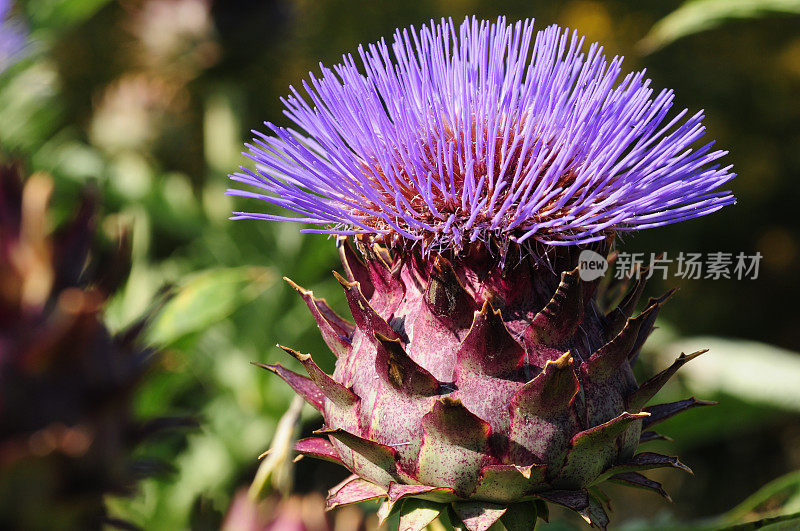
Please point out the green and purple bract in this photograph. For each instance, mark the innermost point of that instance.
(457, 134)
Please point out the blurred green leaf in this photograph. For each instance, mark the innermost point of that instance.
(750, 371)
(775, 506)
(221, 126)
(789, 522)
(206, 298)
(778, 498)
(695, 16)
(29, 107)
(778, 523)
(60, 13)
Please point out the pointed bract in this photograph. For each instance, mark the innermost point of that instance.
(446, 296)
(662, 412)
(634, 479)
(581, 502)
(333, 390)
(354, 268)
(560, 318)
(649, 389)
(648, 436)
(489, 348)
(302, 385)
(593, 450)
(507, 483)
(416, 514)
(653, 307)
(367, 319)
(618, 316)
(353, 490)
(551, 392)
(605, 432)
(318, 448)
(384, 278)
(401, 371)
(542, 510)
(383, 457)
(595, 515)
(605, 362)
(400, 491)
(335, 331)
(387, 509)
(643, 461)
(478, 516)
(454, 446)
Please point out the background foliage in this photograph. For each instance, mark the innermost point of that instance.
(149, 101)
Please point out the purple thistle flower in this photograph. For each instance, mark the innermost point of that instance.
(483, 132)
(13, 38)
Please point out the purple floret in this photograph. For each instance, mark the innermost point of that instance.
(13, 37)
(479, 132)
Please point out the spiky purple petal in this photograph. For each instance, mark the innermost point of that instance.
(483, 131)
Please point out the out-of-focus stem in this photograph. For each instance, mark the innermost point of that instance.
(275, 471)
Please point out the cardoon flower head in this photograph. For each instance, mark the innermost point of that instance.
(470, 388)
(483, 132)
(13, 38)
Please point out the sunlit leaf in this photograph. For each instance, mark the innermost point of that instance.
(695, 16)
(789, 522)
(60, 13)
(753, 372)
(206, 298)
(780, 497)
(29, 108)
(775, 506)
